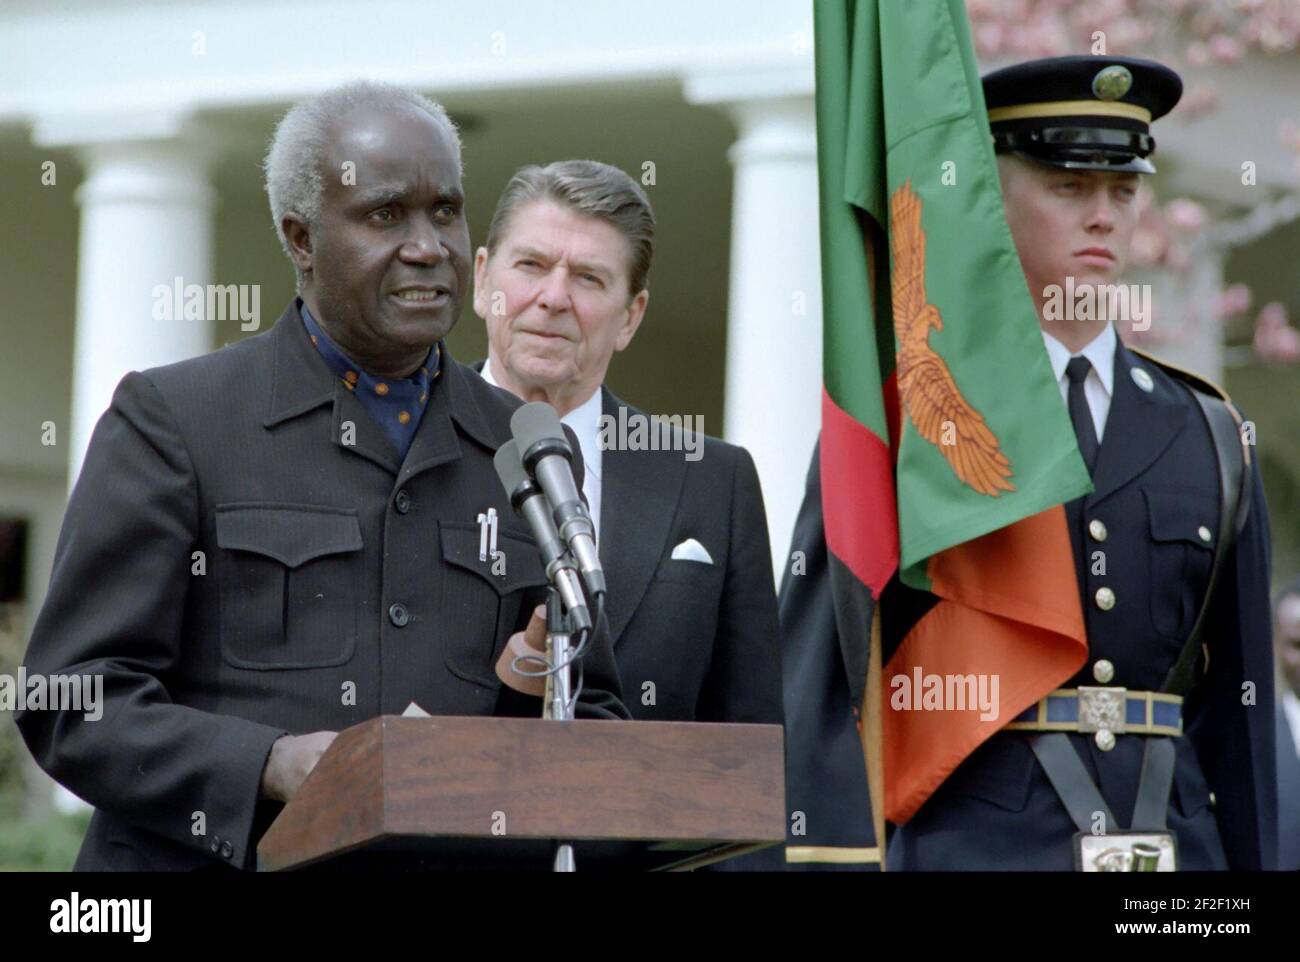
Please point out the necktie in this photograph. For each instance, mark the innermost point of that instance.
(1080, 416)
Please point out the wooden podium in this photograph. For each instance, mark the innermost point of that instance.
(481, 793)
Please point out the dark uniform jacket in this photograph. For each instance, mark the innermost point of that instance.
(1156, 486)
(826, 778)
(236, 570)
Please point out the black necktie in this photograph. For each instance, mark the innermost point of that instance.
(1077, 370)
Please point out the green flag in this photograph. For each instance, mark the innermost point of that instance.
(984, 438)
(942, 421)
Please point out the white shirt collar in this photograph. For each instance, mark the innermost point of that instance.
(584, 419)
(1100, 352)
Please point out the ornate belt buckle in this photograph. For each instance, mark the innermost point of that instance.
(1126, 852)
(1104, 711)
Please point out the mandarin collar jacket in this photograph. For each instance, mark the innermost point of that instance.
(244, 556)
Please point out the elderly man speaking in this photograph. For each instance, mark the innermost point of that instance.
(280, 540)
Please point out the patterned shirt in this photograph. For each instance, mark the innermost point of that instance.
(395, 405)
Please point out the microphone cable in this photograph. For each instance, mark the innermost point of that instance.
(587, 637)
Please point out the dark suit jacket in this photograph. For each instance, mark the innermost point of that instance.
(693, 641)
(705, 636)
(237, 571)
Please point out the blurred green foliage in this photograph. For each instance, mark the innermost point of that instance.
(48, 841)
(47, 844)
(12, 749)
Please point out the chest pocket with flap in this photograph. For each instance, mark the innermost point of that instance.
(1180, 557)
(288, 577)
(481, 598)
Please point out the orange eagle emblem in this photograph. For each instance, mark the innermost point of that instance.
(926, 387)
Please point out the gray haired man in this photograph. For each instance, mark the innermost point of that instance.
(562, 284)
(279, 540)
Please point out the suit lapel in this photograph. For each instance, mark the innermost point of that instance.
(639, 491)
(1139, 427)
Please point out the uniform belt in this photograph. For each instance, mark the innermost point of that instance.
(1094, 709)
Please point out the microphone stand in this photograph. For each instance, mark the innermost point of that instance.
(559, 705)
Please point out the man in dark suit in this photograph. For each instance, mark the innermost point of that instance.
(279, 540)
(681, 531)
(562, 286)
(1168, 729)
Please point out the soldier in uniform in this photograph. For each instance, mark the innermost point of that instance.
(1159, 753)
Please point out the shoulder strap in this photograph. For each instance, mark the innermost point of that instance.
(1190, 378)
(1234, 467)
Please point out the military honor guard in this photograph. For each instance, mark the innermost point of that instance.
(1159, 753)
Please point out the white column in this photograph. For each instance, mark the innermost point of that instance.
(146, 220)
(774, 319)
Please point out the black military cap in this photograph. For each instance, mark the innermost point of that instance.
(1088, 113)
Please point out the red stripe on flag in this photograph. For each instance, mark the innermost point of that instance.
(858, 497)
(893, 414)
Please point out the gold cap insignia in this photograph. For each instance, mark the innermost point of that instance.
(1112, 82)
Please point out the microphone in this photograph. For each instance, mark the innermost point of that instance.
(530, 504)
(547, 457)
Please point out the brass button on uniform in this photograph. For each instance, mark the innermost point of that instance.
(1103, 671)
(1105, 739)
(1204, 532)
(1105, 599)
(1097, 530)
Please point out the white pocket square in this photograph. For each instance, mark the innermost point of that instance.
(692, 550)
